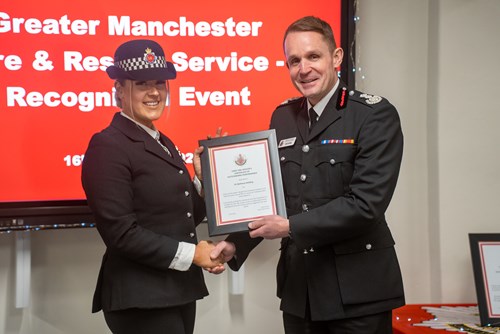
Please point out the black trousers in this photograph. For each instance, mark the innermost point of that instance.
(170, 320)
(380, 323)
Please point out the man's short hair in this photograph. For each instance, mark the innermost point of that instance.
(315, 24)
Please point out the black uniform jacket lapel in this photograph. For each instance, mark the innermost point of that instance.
(329, 115)
(137, 134)
(303, 121)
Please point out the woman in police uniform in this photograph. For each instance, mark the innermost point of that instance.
(145, 205)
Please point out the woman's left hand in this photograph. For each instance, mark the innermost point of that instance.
(198, 151)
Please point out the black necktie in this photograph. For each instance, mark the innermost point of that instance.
(313, 117)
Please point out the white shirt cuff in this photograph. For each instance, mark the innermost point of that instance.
(197, 185)
(184, 256)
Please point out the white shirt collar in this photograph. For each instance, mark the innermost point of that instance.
(320, 106)
(152, 132)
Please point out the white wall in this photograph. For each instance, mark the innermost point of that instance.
(65, 265)
(468, 115)
(392, 48)
(392, 62)
(437, 61)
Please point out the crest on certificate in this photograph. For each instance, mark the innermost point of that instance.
(240, 159)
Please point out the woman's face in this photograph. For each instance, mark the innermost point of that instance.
(143, 101)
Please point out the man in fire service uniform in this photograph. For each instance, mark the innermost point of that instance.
(340, 155)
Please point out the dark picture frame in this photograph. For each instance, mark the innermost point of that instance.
(241, 180)
(485, 248)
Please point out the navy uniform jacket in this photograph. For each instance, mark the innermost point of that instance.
(338, 182)
(144, 204)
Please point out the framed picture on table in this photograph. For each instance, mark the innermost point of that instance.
(485, 253)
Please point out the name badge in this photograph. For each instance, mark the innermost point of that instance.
(287, 142)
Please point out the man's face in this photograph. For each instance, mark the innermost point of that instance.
(143, 101)
(311, 65)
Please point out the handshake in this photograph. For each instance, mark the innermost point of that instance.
(212, 256)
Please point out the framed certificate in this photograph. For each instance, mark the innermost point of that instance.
(485, 251)
(241, 180)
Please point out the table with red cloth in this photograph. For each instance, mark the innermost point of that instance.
(414, 319)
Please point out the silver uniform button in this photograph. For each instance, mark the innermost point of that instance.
(303, 177)
(282, 158)
(305, 207)
(305, 148)
(181, 172)
(186, 193)
(191, 235)
(332, 161)
(189, 214)
(311, 250)
(305, 251)
(368, 246)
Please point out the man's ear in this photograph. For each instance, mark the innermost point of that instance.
(338, 55)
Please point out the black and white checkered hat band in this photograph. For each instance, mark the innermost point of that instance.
(135, 64)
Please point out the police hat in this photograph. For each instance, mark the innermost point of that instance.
(141, 60)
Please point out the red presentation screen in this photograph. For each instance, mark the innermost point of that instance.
(55, 93)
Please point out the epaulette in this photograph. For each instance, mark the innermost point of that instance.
(290, 101)
(365, 98)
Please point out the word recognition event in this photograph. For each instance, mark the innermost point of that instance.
(228, 56)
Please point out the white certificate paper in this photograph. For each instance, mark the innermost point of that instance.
(242, 181)
(490, 263)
